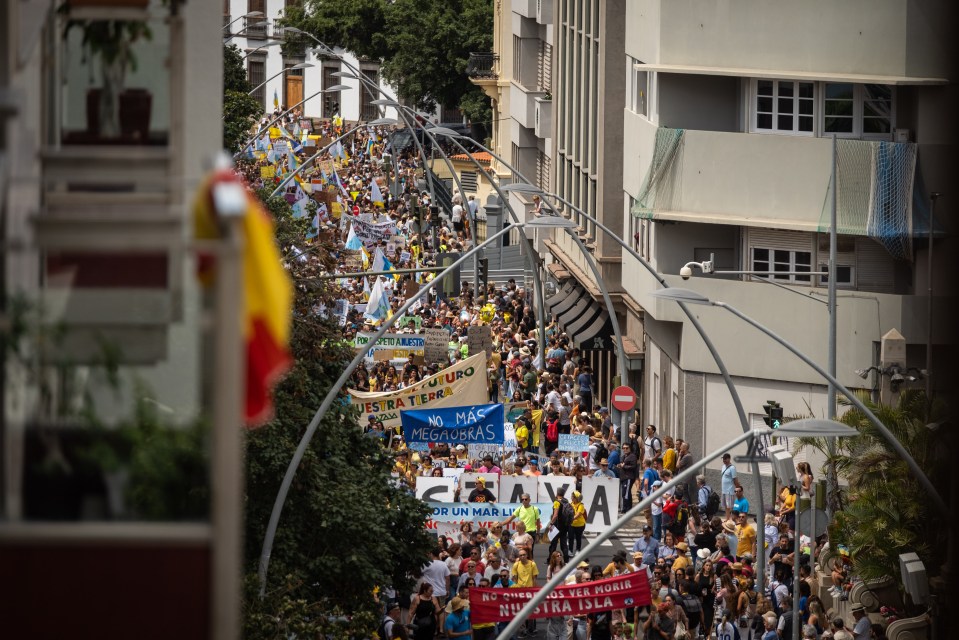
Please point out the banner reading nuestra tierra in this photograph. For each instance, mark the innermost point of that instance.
(462, 384)
(501, 605)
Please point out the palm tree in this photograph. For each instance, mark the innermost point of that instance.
(884, 511)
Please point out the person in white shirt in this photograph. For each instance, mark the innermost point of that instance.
(653, 445)
(437, 574)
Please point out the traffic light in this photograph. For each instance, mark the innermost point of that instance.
(484, 271)
(774, 414)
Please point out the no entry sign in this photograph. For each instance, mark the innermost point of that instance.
(623, 398)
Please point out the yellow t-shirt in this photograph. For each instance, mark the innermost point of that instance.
(680, 562)
(747, 539)
(525, 575)
(579, 514)
(522, 435)
(669, 459)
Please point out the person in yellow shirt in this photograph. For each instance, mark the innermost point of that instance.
(746, 534)
(578, 525)
(522, 434)
(682, 560)
(524, 570)
(669, 454)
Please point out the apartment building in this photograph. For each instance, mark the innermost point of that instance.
(110, 125)
(728, 126)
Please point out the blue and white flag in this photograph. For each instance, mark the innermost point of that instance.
(379, 305)
(377, 196)
(353, 242)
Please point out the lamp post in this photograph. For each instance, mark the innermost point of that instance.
(338, 87)
(692, 297)
(302, 65)
(681, 477)
(328, 400)
(271, 43)
(251, 14)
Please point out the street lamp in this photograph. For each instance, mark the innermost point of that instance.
(271, 43)
(331, 395)
(302, 65)
(681, 477)
(252, 14)
(685, 296)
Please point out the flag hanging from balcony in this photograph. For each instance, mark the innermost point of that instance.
(267, 295)
(276, 100)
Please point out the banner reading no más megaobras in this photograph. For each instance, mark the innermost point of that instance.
(462, 384)
(462, 424)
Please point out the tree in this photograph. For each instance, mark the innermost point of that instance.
(886, 511)
(240, 110)
(424, 45)
(346, 528)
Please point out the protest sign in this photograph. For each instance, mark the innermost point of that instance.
(482, 513)
(548, 486)
(405, 342)
(480, 339)
(512, 487)
(601, 498)
(452, 472)
(373, 232)
(617, 592)
(457, 424)
(467, 482)
(480, 450)
(431, 489)
(573, 442)
(514, 410)
(436, 345)
(459, 385)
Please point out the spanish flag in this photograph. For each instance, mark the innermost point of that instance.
(267, 295)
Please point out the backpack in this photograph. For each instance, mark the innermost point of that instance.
(690, 604)
(566, 514)
(712, 504)
(552, 430)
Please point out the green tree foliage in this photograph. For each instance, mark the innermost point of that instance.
(240, 110)
(424, 45)
(345, 529)
(886, 511)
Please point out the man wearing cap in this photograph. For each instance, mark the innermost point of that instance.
(862, 630)
(481, 493)
(392, 617)
(529, 515)
(728, 486)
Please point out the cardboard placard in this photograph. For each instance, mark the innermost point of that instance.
(436, 347)
(480, 338)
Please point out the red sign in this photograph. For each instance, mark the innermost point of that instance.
(623, 398)
(501, 605)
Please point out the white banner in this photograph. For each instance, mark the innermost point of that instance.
(512, 487)
(601, 497)
(468, 483)
(431, 489)
(463, 384)
(479, 451)
(548, 486)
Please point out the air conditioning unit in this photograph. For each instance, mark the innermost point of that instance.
(902, 135)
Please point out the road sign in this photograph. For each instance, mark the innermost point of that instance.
(623, 398)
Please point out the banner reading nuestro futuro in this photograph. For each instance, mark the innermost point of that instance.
(461, 384)
(469, 424)
(501, 605)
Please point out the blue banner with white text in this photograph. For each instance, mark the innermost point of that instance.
(482, 423)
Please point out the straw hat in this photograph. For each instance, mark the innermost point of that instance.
(729, 526)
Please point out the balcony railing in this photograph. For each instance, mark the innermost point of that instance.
(483, 65)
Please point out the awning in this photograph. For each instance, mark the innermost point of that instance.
(582, 318)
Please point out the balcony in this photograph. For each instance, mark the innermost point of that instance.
(544, 117)
(522, 104)
(483, 66)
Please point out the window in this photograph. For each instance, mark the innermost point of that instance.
(544, 67)
(784, 264)
(330, 100)
(255, 32)
(369, 111)
(543, 168)
(468, 180)
(784, 106)
(637, 86)
(514, 160)
(845, 275)
(846, 109)
(256, 70)
(517, 59)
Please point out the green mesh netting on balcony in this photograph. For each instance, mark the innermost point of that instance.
(656, 185)
(875, 193)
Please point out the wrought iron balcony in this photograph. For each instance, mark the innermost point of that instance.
(483, 66)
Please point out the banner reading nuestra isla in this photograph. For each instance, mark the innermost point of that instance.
(500, 605)
(462, 384)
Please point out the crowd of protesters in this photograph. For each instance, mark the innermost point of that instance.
(698, 550)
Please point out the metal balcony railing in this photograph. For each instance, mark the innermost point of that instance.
(483, 65)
